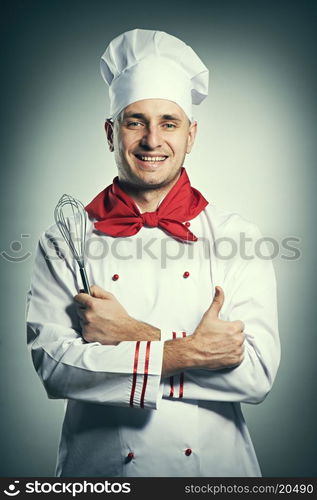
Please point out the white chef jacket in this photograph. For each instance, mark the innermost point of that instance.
(121, 417)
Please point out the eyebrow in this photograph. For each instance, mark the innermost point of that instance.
(142, 116)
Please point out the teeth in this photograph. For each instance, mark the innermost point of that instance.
(152, 158)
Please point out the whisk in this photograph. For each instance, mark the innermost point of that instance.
(68, 207)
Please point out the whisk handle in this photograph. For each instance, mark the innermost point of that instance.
(85, 280)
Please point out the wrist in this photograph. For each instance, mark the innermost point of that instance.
(138, 330)
(177, 356)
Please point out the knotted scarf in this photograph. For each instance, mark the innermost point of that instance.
(117, 214)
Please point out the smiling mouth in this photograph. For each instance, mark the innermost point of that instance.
(151, 159)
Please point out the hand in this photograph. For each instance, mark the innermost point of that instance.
(217, 344)
(103, 319)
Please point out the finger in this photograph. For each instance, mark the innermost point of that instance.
(243, 342)
(239, 325)
(83, 300)
(80, 306)
(100, 293)
(217, 302)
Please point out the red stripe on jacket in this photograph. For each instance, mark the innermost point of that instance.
(135, 371)
(172, 378)
(146, 371)
(181, 378)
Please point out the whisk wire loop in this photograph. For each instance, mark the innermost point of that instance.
(70, 212)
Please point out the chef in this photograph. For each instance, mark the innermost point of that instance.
(181, 324)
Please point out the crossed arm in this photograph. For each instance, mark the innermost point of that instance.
(215, 344)
(92, 362)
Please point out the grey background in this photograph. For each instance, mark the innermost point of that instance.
(255, 153)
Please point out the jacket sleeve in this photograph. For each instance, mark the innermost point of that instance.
(127, 374)
(250, 295)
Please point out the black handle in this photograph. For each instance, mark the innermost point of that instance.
(85, 280)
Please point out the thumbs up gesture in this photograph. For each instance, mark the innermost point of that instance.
(217, 303)
(217, 344)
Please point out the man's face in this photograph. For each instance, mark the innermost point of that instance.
(150, 139)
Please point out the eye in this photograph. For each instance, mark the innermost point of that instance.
(134, 124)
(169, 125)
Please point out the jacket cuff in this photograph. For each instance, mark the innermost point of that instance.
(145, 388)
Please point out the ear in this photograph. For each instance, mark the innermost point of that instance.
(109, 133)
(191, 136)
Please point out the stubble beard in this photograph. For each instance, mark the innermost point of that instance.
(132, 182)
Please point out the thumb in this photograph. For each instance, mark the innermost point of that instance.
(99, 293)
(217, 302)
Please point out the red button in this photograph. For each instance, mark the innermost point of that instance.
(186, 274)
(188, 452)
(187, 224)
(130, 455)
(115, 277)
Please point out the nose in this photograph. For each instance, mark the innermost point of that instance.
(151, 138)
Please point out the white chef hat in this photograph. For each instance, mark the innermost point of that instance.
(146, 64)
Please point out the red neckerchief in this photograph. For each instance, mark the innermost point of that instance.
(118, 215)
